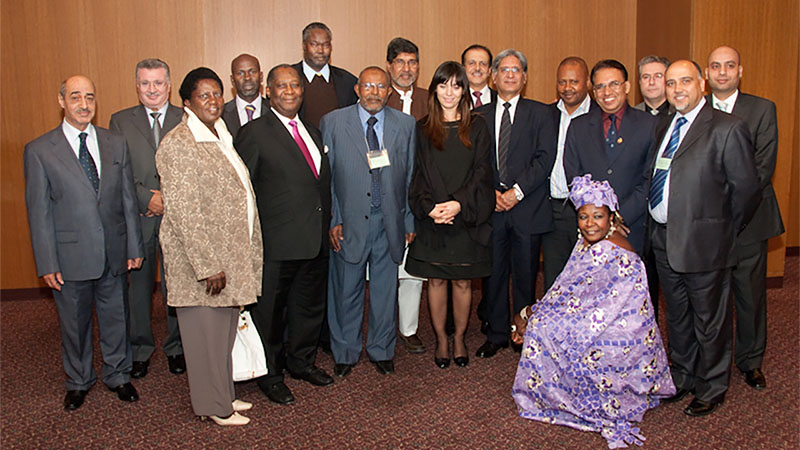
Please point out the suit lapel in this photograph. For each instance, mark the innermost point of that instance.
(63, 151)
(142, 124)
(173, 118)
(521, 116)
(597, 141)
(697, 129)
(354, 130)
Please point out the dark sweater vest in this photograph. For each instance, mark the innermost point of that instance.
(319, 99)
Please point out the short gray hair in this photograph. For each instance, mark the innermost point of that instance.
(151, 63)
(510, 52)
(653, 59)
(316, 26)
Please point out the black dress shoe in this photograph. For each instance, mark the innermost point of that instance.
(485, 326)
(489, 349)
(342, 370)
(279, 393)
(177, 364)
(679, 394)
(461, 361)
(74, 399)
(699, 408)
(755, 378)
(384, 367)
(315, 376)
(139, 369)
(126, 392)
(442, 363)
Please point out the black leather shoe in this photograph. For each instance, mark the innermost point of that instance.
(679, 394)
(74, 399)
(699, 408)
(177, 364)
(315, 376)
(139, 369)
(442, 363)
(489, 349)
(342, 370)
(485, 327)
(279, 393)
(126, 392)
(461, 361)
(755, 378)
(384, 367)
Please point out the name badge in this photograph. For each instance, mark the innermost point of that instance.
(663, 163)
(378, 159)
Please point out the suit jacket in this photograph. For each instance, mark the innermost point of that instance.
(294, 206)
(344, 138)
(557, 124)
(761, 119)
(713, 190)
(627, 171)
(531, 155)
(231, 116)
(344, 84)
(205, 229)
(75, 230)
(419, 102)
(134, 126)
(664, 109)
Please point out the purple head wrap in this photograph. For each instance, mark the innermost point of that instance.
(583, 191)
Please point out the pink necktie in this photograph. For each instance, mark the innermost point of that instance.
(478, 101)
(303, 148)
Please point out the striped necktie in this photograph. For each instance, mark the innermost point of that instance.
(660, 177)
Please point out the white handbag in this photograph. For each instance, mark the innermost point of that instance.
(247, 357)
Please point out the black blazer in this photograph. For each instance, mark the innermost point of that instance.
(294, 207)
(231, 116)
(532, 152)
(344, 83)
(713, 190)
(762, 122)
(627, 171)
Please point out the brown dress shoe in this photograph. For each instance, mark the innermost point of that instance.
(755, 378)
(413, 343)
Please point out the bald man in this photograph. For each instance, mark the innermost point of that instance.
(248, 105)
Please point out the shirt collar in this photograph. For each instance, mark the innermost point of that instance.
(404, 95)
(690, 116)
(201, 132)
(72, 133)
(617, 114)
(363, 115)
(311, 73)
(729, 102)
(582, 109)
(283, 118)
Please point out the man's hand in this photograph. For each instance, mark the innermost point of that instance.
(335, 235)
(499, 202)
(623, 230)
(53, 280)
(156, 205)
(509, 199)
(410, 238)
(215, 283)
(135, 263)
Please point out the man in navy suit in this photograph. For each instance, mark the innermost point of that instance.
(613, 143)
(371, 152)
(477, 61)
(86, 235)
(749, 276)
(524, 152)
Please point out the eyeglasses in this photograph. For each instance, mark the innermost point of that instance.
(403, 62)
(647, 76)
(371, 86)
(614, 86)
(506, 69)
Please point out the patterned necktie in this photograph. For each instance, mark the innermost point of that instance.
(722, 107)
(156, 127)
(611, 140)
(660, 177)
(87, 162)
(374, 144)
(249, 109)
(303, 148)
(478, 101)
(502, 143)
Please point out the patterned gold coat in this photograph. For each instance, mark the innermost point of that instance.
(205, 227)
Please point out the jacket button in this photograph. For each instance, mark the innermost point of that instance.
(366, 217)
(610, 171)
(369, 194)
(319, 208)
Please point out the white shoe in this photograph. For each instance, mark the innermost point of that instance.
(241, 405)
(234, 419)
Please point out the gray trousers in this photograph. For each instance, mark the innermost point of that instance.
(208, 336)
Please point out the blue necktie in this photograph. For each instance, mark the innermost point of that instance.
(660, 177)
(88, 163)
(612, 135)
(374, 144)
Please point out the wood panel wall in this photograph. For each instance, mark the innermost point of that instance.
(44, 41)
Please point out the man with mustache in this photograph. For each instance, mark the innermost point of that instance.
(143, 126)
(326, 87)
(371, 151)
(248, 105)
(477, 61)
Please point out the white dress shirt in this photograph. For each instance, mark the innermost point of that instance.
(162, 110)
(725, 105)
(405, 97)
(559, 185)
(312, 147)
(311, 73)
(240, 105)
(73, 137)
(486, 95)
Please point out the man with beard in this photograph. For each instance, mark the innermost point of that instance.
(246, 76)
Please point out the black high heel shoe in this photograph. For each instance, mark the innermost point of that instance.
(442, 363)
(461, 361)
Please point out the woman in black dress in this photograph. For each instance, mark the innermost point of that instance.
(452, 198)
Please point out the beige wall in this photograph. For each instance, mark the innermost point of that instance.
(43, 41)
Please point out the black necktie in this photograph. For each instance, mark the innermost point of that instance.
(611, 140)
(156, 127)
(88, 163)
(374, 145)
(502, 143)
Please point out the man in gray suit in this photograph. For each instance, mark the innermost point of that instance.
(247, 77)
(85, 235)
(143, 126)
(749, 276)
(371, 153)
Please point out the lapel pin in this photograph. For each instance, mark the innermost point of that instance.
(619, 140)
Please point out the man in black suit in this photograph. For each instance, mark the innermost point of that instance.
(525, 149)
(291, 177)
(477, 60)
(143, 126)
(703, 191)
(651, 84)
(613, 143)
(572, 85)
(326, 87)
(246, 76)
(749, 276)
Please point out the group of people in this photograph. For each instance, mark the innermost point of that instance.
(286, 205)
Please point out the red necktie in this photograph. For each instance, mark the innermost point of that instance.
(478, 101)
(303, 148)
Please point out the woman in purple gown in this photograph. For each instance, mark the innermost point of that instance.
(592, 355)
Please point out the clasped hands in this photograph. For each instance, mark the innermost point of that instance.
(444, 213)
(504, 201)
